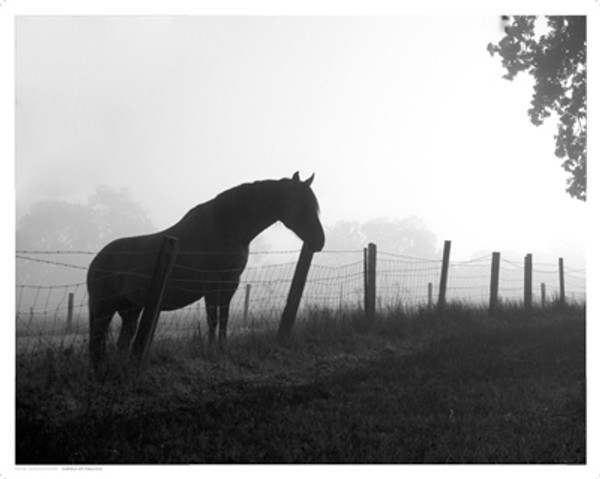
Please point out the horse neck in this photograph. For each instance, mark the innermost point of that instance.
(247, 210)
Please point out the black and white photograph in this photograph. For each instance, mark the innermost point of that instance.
(324, 235)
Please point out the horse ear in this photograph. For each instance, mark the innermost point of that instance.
(296, 177)
(310, 180)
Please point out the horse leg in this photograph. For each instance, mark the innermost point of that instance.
(129, 314)
(224, 301)
(217, 311)
(211, 302)
(223, 317)
(100, 317)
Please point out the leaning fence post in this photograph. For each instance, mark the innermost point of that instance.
(295, 295)
(444, 275)
(561, 281)
(528, 280)
(494, 282)
(149, 320)
(70, 313)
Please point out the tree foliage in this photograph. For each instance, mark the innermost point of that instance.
(58, 225)
(409, 236)
(553, 50)
(54, 225)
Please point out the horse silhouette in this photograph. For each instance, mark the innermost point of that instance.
(214, 239)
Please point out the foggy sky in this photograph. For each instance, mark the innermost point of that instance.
(397, 116)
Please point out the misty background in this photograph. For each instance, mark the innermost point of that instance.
(123, 124)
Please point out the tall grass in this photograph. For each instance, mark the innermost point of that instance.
(318, 331)
(342, 388)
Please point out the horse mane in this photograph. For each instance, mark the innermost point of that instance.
(262, 192)
(240, 197)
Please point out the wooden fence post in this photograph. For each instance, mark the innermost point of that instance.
(149, 320)
(366, 277)
(295, 294)
(430, 295)
(494, 282)
(70, 313)
(370, 281)
(543, 295)
(528, 281)
(561, 281)
(247, 302)
(444, 275)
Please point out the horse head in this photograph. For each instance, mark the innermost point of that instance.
(301, 212)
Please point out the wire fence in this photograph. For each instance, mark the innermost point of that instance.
(51, 293)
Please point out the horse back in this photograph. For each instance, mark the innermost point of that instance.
(206, 259)
(123, 267)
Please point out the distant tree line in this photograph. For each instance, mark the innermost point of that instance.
(59, 225)
(54, 225)
(408, 237)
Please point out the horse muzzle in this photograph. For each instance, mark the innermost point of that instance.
(317, 242)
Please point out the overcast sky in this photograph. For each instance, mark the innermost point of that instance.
(398, 116)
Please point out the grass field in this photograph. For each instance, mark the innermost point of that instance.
(408, 388)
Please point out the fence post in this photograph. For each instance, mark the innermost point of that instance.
(247, 302)
(366, 277)
(543, 295)
(430, 295)
(494, 282)
(444, 275)
(370, 281)
(295, 295)
(528, 280)
(149, 320)
(561, 281)
(70, 313)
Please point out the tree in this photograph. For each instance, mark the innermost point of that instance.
(116, 214)
(54, 225)
(58, 225)
(553, 50)
(409, 236)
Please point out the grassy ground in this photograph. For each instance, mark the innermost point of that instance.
(457, 387)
